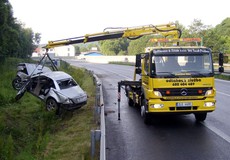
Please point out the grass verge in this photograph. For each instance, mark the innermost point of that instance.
(222, 76)
(28, 131)
(123, 63)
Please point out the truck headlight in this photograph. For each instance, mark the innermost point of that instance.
(157, 106)
(209, 92)
(209, 104)
(157, 93)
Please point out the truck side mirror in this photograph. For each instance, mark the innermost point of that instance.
(221, 59)
(221, 62)
(221, 69)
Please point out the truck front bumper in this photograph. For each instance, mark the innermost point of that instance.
(71, 107)
(181, 106)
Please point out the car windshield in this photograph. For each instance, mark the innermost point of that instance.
(193, 64)
(66, 83)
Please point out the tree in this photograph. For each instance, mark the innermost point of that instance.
(108, 47)
(37, 38)
(223, 33)
(77, 50)
(26, 42)
(139, 45)
(114, 47)
(198, 29)
(83, 49)
(92, 45)
(211, 40)
(223, 29)
(8, 35)
(185, 31)
(15, 40)
(218, 38)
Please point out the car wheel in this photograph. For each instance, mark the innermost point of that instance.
(51, 104)
(17, 83)
(200, 117)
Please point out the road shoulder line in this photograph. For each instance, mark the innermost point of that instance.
(217, 131)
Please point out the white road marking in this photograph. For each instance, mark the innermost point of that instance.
(223, 93)
(217, 131)
(221, 80)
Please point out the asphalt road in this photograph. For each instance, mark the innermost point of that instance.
(168, 138)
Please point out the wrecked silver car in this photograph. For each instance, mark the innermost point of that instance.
(57, 89)
(24, 71)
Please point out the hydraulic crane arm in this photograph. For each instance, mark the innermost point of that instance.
(113, 33)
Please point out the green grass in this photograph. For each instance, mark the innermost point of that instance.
(224, 77)
(123, 63)
(73, 141)
(28, 131)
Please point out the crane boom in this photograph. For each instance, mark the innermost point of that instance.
(113, 33)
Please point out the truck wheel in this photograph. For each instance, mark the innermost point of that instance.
(146, 116)
(130, 102)
(200, 116)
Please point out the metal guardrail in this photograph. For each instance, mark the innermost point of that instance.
(99, 117)
(227, 73)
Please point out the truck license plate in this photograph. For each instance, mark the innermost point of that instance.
(184, 104)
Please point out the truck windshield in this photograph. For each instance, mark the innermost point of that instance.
(191, 65)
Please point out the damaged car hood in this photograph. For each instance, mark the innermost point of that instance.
(73, 92)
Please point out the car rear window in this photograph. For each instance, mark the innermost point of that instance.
(66, 83)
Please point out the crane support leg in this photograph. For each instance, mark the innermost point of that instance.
(119, 100)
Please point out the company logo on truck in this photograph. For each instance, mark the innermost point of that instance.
(184, 92)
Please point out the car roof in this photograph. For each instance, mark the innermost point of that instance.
(57, 75)
(34, 68)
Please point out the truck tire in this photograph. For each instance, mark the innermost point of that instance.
(146, 116)
(130, 102)
(200, 117)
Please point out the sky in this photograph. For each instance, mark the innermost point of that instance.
(60, 19)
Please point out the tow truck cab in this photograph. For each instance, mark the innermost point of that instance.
(176, 80)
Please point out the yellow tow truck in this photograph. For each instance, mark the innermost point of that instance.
(174, 79)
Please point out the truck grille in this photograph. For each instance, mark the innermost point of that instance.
(182, 108)
(183, 91)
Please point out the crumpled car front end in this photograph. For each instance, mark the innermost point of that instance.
(71, 98)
